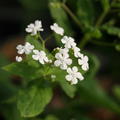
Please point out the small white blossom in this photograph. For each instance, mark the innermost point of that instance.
(69, 42)
(18, 59)
(57, 29)
(77, 52)
(40, 56)
(73, 75)
(34, 28)
(53, 76)
(84, 62)
(27, 48)
(63, 59)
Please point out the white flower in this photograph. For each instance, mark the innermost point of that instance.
(18, 59)
(77, 52)
(73, 75)
(40, 56)
(57, 29)
(27, 48)
(34, 28)
(69, 42)
(84, 62)
(63, 59)
(53, 76)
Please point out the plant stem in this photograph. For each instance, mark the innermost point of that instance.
(42, 41)
(76, 20)
(101, 18)
(84, 40)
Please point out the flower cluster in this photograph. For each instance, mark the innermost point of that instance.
(21, 49)
(62, 59)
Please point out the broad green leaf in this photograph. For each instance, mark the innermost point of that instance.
(85, 12)
(33, 100)
(112, 30)
(25, 70)
(60, 16)
(92, 93)
(7, 90)
(105, 4)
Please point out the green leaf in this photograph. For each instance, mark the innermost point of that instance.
(66, 87)
(92, 93)
(112, 30)
(105, 4)
(33, 100)
(94, 65)
(25, 70)
(33, 40)
(60, 16)
(85, 12)
(7, 90)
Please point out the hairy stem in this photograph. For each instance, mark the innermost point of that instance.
(42, 41)
(76, 20)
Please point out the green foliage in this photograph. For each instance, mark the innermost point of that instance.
(83, 18)
(116, 91)
(91, 92)
(32, 100)
(11, 112)
(33, 4)
(55, 9)
(33, 40)
(66, 87)
(118, 47)
(112, 30)
(105, 4)
(24, 70)
(7, 90)
(51, 117)
(85, 12)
